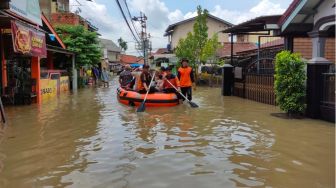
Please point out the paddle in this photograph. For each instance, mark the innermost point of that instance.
(192, 104)
(142, 107)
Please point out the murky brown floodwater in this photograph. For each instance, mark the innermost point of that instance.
(89, 140)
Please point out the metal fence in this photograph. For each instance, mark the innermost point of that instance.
(328, 97)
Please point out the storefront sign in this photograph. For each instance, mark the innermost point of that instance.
(28, 41)
(48, 89)
(29, 9)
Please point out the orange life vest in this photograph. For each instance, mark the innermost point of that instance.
(173, 80)
(185, 79)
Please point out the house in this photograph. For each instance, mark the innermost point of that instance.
(134, 61)
(58, 13)
(179, 30)
(309, 27)
(111, 54)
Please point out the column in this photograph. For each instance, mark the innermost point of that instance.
(35, 74)
(74, 74)
(50, 60)
(315, 67)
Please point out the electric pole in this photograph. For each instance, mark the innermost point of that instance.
(145, 44)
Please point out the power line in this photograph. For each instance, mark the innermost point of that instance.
(129, 13)
(123, 14)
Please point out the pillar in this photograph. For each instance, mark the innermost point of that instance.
(50, 60)
(3, 65)
(315, 68)
(289, 43)
(74, 74)
(35, 74)
(228, 80)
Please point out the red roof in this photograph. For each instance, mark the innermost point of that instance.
(161, 51)
(130, 59)
(237, 47)
(274, 43)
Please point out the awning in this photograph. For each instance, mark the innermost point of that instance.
(259, 24)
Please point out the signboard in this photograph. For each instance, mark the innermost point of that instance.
(48, 89)
(28, 41)
(29, 9)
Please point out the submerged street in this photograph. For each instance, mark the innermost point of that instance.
(88, 139)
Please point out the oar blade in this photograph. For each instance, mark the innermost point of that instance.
(193, 105)
(142, 107)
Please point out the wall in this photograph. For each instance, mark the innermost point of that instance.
(45, 6)
(214, 26)
(113, 56)
(304, 47)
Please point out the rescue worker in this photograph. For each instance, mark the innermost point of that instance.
(186, 77)
(145, 80)
(167, 87)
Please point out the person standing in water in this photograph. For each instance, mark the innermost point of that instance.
(186, 77)
(105, 77)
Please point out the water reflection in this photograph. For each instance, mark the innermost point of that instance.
(90, 140)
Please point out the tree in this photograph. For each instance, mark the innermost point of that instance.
(200, 31)
(122, 44)
(289, 83)
(186, 49)
(81, 41)
(196, 46)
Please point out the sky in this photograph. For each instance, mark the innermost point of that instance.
(106, 15)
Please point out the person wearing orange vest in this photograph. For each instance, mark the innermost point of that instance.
(167, 87)
(186, 77)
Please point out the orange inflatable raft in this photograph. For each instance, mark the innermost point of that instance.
(133, 98)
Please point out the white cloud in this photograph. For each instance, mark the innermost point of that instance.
(264, 7)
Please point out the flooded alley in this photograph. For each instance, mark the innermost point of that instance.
(88, 139)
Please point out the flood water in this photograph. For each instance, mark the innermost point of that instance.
(88, 139)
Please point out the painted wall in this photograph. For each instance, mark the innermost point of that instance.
(214, 26)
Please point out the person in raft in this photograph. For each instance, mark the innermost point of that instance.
(126, 78)
(167, 87)
(186, 77)
(144, 81)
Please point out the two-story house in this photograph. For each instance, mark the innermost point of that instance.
(179, 30)
(111, 54)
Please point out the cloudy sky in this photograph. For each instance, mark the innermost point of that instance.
(105, 14)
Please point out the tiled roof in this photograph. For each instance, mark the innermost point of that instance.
(130, 59)
(277, 42)
(161, 51)
(109, 45)
(237, 47)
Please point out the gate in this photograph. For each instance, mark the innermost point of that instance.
(256, 71)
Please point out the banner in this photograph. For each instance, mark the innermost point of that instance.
(28, 41)
(29, 9)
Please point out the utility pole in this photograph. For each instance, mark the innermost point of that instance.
(145, 44)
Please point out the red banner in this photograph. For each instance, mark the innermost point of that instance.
(28, 41)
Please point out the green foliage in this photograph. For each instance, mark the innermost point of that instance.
(186, 49)
(290, 80)
(81, 41)
(122, 44)
(209, 49)
(196, 46)
(200, 30)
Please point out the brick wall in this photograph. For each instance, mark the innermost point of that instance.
(304, 47)
(65, 18)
